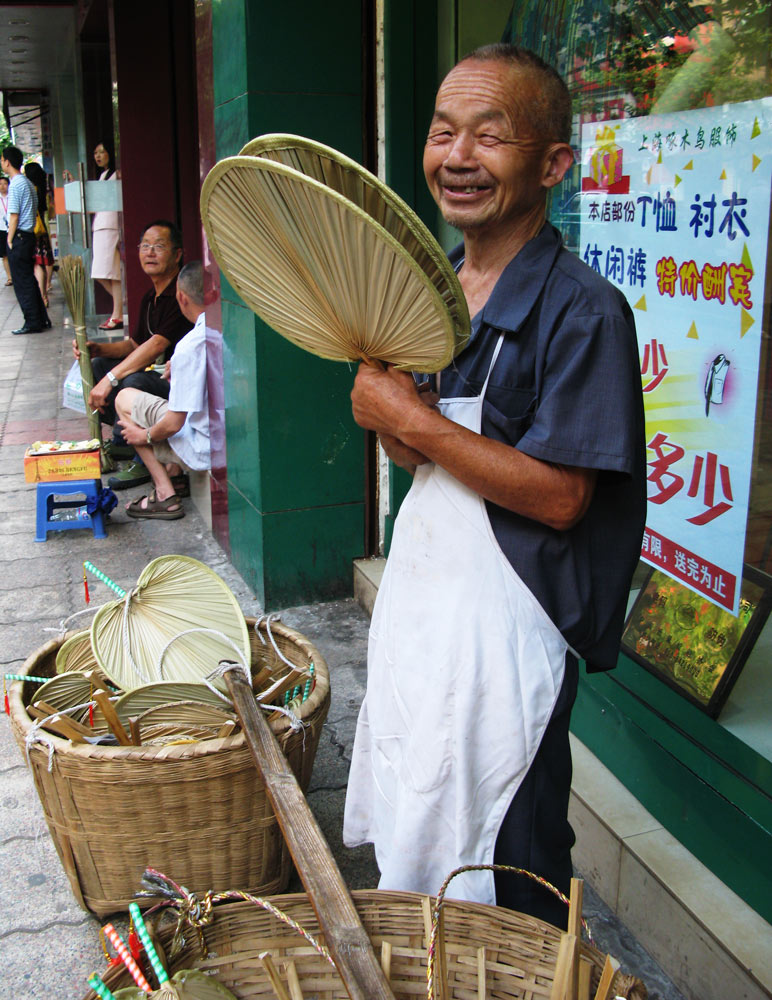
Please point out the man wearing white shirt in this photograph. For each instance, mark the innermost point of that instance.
(172, 436)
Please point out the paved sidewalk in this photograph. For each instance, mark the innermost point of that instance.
(49, 946)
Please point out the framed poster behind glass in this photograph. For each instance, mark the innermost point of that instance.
(691, 644)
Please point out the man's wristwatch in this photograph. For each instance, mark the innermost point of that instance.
(112, 380)
(149, 439)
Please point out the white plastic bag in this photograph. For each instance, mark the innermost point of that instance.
(72, 394)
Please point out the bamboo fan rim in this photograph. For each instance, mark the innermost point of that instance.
(286, 140)
(258, 166)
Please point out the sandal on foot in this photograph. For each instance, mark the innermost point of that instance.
(112, 324)
(163, 510)
(181, 485)
(8, 282)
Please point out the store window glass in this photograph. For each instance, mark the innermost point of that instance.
(670, 200)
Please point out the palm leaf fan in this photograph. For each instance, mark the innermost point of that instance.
(73, 280)
(66, 690)
(331, 258)
(189, 984)
(168, 694)
(75, 653)
(188, 713)
(156, 633)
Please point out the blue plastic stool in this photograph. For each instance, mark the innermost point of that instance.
(47, 505)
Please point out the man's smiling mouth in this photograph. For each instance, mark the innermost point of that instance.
(465, 188)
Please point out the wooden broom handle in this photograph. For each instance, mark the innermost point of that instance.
(102, 698)
(346, 938)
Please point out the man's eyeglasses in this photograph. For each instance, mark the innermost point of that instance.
(147, 247)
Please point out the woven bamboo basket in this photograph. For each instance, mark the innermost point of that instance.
(197, 809)
(490, 952)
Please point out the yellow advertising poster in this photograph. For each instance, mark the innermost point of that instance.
(675, 211)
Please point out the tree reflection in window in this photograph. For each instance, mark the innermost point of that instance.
(631, 58)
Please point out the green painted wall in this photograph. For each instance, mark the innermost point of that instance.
(295, 456)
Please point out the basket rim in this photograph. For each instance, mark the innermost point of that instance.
(201, 748)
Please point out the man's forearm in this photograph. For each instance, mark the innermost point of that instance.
(137, 358)
(111, 348)
(555, 495)
(137, 435)
(13, 222)
(169, 424)
(388, 403)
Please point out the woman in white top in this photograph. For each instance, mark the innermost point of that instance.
(4, 227)
(106, 260)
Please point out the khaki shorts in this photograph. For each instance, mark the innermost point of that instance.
(146, 411)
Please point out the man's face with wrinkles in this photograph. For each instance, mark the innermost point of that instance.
(482, 164)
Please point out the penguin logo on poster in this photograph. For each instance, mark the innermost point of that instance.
(714, 382)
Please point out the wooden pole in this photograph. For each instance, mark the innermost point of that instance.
(339, 921)
(603, 991)
(273, 975)
(102, 698)
(73, 280)
(575, 929)
(585, 977)
(561, 983)
(59, 724)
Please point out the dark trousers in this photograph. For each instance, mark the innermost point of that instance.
(144, 381)
(21, 261)
(535, 833)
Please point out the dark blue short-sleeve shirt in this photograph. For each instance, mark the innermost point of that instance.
(566, 389)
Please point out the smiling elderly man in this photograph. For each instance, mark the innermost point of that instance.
(513, 552)
(160, 326)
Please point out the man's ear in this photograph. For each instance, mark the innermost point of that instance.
(557, 162)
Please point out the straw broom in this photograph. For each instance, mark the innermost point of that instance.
(73, 280)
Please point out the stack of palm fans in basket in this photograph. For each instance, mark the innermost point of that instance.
(138, 759)
(136, 676)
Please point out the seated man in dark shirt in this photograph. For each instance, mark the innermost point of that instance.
(160, 326)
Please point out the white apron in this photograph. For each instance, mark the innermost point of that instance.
(464, 669)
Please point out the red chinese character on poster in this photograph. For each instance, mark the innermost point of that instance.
(667, 483)
(714, 282)
(739, 285)
(654, 355)
(667, 272)
(690, 278)
(713, 510)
